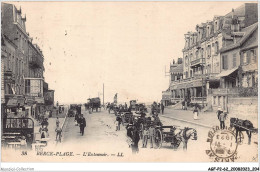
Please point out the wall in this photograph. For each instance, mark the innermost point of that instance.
(244, 108)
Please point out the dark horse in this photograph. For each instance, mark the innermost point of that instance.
(242, 125)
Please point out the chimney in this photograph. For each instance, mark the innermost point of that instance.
(232, 13)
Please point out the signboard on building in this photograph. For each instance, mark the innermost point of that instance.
(49, 97)
(39, 100)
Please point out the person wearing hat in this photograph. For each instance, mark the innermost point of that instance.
(222, 118)
(82, 124)
(219, 111)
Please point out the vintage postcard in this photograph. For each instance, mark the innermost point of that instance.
(129, 81)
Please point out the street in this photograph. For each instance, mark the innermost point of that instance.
(101, 143)
(101, 138)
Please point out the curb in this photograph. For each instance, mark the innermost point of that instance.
(194, 123)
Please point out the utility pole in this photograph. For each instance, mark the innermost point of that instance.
(103, 95)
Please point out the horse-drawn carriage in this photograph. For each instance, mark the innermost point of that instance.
(75, 109)
(141, 107)
(174, 136)
(133, 104)
(93, 103)
(155, 108)
(243, 125)
(164, 134)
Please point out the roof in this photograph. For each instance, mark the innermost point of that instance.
(226, 72)
(177, 69)
(240, 11)
(252, 44)
(247, 32)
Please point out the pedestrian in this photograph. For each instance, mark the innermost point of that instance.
(118, 122)
(162, 107)
(222, 118)
(76, 119)
(145, 136)
(135, 139)
(218, 111)
(58, 131)
(185, 105)
(129, 134)
(152, 135)
(44, 132)
(82, 124)
(57, 122)
(195, 113)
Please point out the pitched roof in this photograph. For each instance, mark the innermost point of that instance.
(247, 32)
(177, 69)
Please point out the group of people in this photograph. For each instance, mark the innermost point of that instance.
(134, 131)
(81, 122)
(158, 108)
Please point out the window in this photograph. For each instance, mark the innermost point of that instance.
(197, 54)
(253, 56)
(191, 57)
(224, 62)
(27, 86)
(214, 100)
(209, 51)
(202, 52)
(216, 48)
(234, 60)
(248, 57)
(209, 69)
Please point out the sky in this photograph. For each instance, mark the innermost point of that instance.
(125, 45)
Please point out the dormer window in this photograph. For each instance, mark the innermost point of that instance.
(216, 26)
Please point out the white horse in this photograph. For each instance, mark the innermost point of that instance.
(185, 134)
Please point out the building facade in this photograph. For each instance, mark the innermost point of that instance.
(212, 58)
(23, 67)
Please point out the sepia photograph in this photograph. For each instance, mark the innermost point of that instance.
(130, 82)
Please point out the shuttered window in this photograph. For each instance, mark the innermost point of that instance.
(224, 62)
(234, 60)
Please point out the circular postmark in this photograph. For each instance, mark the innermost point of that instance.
(223, 144)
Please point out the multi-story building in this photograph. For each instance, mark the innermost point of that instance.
(176, 73)
(23, 65)
(203, 59)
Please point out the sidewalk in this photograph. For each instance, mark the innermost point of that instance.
(205, 119)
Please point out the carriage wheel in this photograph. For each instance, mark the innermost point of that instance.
(158, 138)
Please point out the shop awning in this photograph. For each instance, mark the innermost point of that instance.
(226, 72)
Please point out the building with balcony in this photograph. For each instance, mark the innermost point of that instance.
(206, 65)
(23, 65)
(239, 70)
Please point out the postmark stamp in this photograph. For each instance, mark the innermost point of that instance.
(223, 145)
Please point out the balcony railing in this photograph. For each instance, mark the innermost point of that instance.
(225, 91)
(198, 61)
(35, 62)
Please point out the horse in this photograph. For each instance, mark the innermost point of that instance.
(185, 134)
(242, 125)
